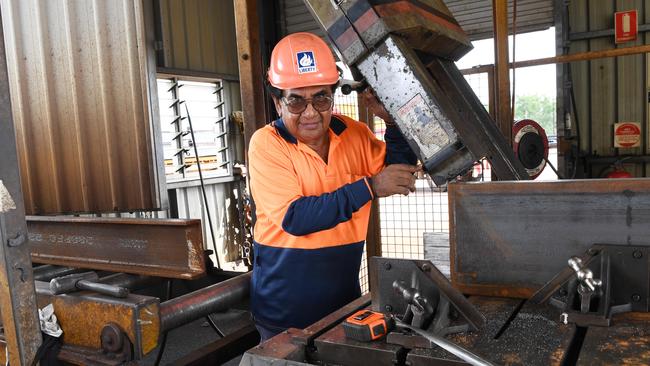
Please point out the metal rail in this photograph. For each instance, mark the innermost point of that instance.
(197, 304)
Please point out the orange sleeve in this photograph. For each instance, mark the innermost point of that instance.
(274, 182)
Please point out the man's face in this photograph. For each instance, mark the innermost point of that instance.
(310, 125)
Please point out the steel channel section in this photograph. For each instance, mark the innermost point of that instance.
(170, 248)
(510, 238)
(17, 293)
(197, 304)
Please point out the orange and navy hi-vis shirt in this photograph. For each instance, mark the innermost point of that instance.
(312, 218)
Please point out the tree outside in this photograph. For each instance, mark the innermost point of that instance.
(539, 108)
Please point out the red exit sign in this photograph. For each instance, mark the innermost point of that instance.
(625, 27)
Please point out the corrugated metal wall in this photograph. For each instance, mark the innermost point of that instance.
(83, 90)
(474, 16)
(608, 90)
(199, 35)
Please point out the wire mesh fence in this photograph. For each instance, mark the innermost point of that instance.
(404, 220)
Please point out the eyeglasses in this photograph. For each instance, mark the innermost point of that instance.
(297, 105)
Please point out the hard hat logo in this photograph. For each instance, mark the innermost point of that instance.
(306, 62)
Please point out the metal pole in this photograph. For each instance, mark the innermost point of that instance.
(581, 56)
(197, 304)
(500, 19)
(17, 294)
(251, 75)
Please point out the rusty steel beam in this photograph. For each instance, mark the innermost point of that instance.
(510, 238)
(197, 304)
(500, 22)
(574, 57)
(17, 296)
(170, 248)
(251, 74)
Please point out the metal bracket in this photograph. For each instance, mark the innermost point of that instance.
(418, 294)
(606, 280)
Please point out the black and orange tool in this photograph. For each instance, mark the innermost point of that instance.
(367, 325)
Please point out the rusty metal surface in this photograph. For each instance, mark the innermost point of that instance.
(83, 92)
(17, 297)
(155, 247)
(510, 238)
(82, 316)
(279, 350)
(626, 342)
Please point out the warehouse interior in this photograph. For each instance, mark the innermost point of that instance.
(128, 220)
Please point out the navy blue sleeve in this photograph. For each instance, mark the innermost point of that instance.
(310, 214)
(397, 149)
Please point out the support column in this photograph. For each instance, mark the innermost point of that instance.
(503, 111)
(251, 74)
(17, 294)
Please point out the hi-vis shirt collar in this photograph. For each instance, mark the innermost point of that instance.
(336, 125)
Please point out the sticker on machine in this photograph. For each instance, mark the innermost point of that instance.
(419, 121)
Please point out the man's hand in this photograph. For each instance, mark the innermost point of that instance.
(395, 179)
(375, 107)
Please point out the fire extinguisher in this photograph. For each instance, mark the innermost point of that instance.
(618, 171)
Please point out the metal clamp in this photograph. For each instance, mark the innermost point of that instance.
(584, 275)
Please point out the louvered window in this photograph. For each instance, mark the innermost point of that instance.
(205, 102)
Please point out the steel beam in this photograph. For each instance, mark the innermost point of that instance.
(504, 114)
(170, 248)
(510, 238)
(574, 57)
(251, 74)
(17, 294)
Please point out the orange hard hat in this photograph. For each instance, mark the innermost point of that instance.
(300, 60)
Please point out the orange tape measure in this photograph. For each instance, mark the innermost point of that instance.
(367, 325)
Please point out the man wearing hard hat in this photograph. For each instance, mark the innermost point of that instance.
(313, 174)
